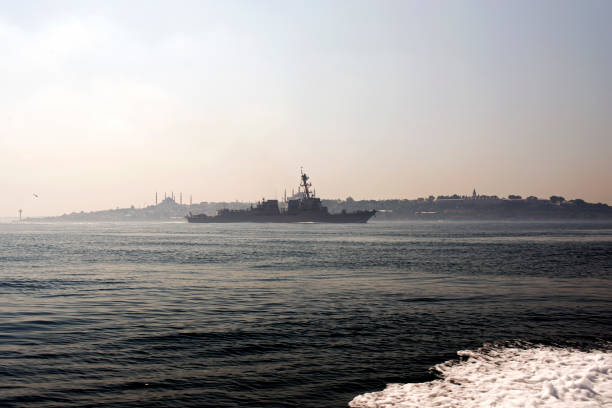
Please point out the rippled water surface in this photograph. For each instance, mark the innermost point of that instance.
(309, 315)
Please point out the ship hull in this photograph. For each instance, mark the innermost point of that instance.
(360, 217)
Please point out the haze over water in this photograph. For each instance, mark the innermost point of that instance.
(305, 315)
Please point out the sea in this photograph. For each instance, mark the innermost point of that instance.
(383, 314)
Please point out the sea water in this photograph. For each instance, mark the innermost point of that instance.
(406, 314)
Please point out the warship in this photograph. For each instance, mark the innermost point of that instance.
(303, 208)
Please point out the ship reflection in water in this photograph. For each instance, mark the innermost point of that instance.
(306, 208)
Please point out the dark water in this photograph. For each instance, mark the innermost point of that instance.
(305, 315)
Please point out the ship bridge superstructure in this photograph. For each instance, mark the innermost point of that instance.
(308, 201)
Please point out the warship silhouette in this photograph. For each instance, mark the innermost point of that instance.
(305, 208)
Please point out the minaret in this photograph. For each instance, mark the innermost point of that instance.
(181, 199)
(190, 200)
(156, 198)
(20, 214)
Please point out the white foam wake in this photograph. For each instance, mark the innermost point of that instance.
(507, 377)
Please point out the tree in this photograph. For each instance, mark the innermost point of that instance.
(556, 199)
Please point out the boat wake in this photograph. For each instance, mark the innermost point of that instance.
(507, 376)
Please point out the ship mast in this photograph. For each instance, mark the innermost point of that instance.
(305, 183)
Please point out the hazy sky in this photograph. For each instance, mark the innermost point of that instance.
(104, 103)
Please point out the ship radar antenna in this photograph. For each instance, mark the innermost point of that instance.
(305, 183)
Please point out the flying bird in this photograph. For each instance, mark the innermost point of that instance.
(35, 195)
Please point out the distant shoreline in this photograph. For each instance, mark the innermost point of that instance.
(441, 208)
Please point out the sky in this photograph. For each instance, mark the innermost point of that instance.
(104, 103)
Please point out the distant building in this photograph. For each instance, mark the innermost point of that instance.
(168, 201)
